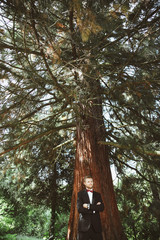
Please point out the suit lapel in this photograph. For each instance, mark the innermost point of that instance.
(93, 200)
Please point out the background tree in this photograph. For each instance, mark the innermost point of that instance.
(93, 66)
(136, 207)
(43, 177)
(19, 217)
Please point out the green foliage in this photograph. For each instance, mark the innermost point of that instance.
(23, 237)
(30, 220)
(7, 222)
(61, 226)
(9, 237)
(59, 59)
(37, 221)
(135, 198)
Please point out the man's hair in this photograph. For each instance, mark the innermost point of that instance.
(84, 179)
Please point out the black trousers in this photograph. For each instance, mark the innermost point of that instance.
(90, 235)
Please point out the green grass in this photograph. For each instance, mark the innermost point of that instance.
(19, 237)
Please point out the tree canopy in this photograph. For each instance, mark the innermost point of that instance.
(57, 58)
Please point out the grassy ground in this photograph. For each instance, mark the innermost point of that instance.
(27, 238)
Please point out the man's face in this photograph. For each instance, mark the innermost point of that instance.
(88, 183)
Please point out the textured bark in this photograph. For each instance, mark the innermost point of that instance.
(53, 187)
(92, 159)
(154, 207)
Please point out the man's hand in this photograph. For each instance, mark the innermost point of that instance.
(85, 205)
(98, 203)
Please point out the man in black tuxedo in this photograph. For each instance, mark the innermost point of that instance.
(89, 204)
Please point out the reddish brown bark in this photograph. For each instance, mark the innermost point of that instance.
(92, 159)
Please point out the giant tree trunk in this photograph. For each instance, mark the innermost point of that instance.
(154, 207)
(92, 159)
(53, 193)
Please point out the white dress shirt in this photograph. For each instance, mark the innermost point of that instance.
(90, 194)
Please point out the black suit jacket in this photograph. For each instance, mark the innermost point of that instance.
(91, 215)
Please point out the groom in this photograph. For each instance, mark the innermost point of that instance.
(89, 204)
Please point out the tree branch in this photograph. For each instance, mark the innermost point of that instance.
(140, 150)
(62, 144)
(25, 142)
(19, 49)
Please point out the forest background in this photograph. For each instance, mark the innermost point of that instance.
(79, 93)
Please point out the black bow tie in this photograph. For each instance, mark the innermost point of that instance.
(89, 190)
